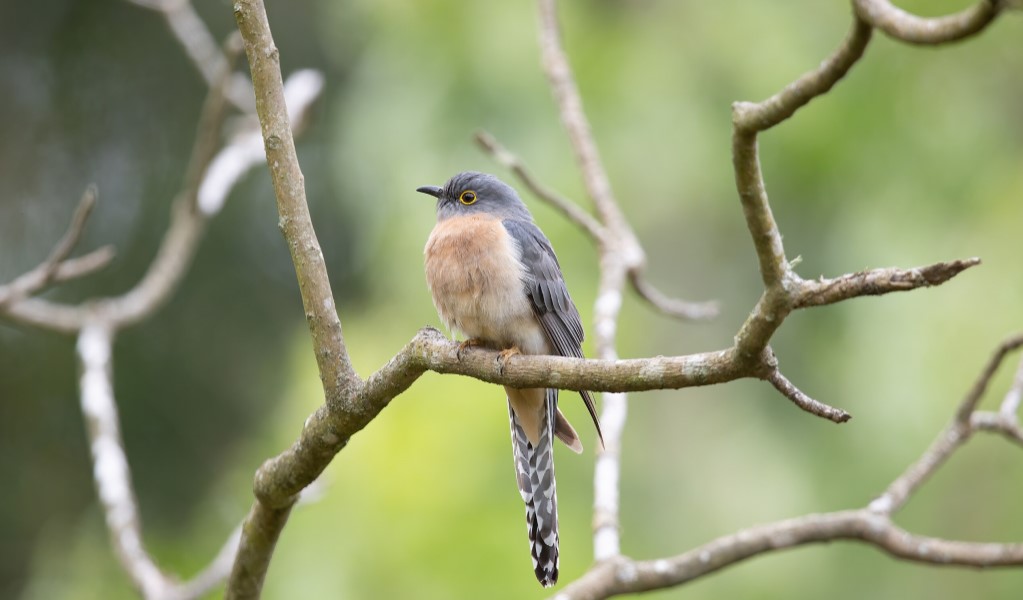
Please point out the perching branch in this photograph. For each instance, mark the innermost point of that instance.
(352, 403)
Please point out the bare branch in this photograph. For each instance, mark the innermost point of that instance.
(620, 575)
(289, 184)
(570, 107)
(340, 382)
(606, 490)
(875, 282)
(909, 28)
(672, 307)
(112, 476)
(174, 256)
(113, 479)
(895, 497)
(805, 402)
(955, 435)
(980, 386)
(55, 266)
(351, 403)
(201, 47)
(998, 422)
(626, 576)
(1010, 405)
(569, 209)
(245, 150)
(84, 265)
(749, 117)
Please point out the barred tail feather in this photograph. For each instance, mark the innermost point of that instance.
(534, 472)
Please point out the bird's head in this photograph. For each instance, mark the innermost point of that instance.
(470, 193)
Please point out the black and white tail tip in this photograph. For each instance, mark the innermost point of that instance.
(534, 472)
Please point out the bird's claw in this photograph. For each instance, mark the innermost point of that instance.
(463, 346)
(503, 356)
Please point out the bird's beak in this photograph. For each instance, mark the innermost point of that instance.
(432, 190)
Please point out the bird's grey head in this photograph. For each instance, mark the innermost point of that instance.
(470, 193)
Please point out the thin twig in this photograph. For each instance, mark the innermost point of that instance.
(513, 163)
(47, 272)
(899, 491)
(201, 47)
(173, 257)
(997, 422)
(84, 265)
(875, 282)
(901, 25)
(814, 407)
(570, 108)
(948, 441)
(750, 117)
(672, 307)
(972, 399)
(1010, 404)
(245, 150)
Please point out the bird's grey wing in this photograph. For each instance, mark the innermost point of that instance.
(545, 287)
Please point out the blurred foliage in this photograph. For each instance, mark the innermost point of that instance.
(916, 157)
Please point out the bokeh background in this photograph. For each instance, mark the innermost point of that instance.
(916, 157)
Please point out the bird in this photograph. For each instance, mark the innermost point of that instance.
(494, 277)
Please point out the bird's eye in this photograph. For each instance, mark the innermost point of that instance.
(467, 197)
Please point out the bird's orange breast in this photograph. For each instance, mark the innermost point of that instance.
(475, 275)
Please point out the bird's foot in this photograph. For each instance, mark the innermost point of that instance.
(469, 343)
(504, 355)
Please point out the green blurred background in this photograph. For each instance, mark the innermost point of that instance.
(916, 157)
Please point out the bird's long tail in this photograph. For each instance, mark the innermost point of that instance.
(534, 472)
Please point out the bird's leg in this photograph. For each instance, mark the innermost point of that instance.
(504, 355)
(469, 343)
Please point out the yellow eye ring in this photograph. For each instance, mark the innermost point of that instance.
(467, 197)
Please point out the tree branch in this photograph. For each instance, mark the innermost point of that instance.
(1010, 405)
(872, 525)
(805, 402)
(201, 47)
(672, 307)
(168, 267)
(948, 441)
(623, 575)
(875, 282)
(266, 521)
(351, 403)
(113, 478)
(909, 28)
(513, 163)
(57, 267)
